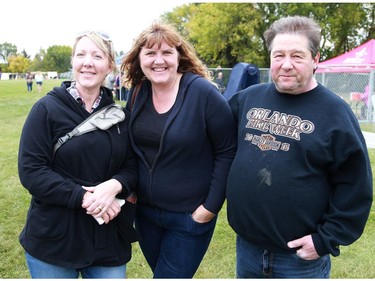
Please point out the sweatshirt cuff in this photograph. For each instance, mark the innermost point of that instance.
(321, 248)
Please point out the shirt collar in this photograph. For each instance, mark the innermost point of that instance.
(72, 90)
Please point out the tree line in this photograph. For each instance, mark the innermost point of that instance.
(227, 33)
(56, 58)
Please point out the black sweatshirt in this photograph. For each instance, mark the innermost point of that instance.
(301, 168)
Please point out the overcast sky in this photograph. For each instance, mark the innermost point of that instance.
(35, 24)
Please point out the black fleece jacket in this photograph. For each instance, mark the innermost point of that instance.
(196, 149)
(58, 230)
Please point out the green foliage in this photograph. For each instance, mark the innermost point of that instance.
(220, 32)
(229, 39)
(369, 22)
(58, 58)
(227, 33)
(355, 261)
(18, 64)
(340, 32)
(25, 54)
(37, 63)
(7, 50)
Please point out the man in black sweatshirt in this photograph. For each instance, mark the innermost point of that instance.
(301, 183)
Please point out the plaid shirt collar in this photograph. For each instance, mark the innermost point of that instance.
(72, 90)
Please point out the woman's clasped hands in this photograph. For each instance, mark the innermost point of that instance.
(99, 201)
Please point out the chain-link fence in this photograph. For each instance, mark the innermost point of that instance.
(357, 89)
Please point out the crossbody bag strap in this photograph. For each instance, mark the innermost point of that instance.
(102, 119)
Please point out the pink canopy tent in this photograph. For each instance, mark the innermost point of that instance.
(359, 59)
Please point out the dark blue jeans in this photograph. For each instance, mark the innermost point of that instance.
(255, 262)
(172, 243)
(29, 87)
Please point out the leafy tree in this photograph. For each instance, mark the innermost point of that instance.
(227, 33)
(57, 58)
(219, 31)
(7, 50)
(369, 21)
(340, 32)
(25, 54)
(18, 64)
(37, 64)
(222, 34)
(181, 16)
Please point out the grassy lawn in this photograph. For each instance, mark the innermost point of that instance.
(355, 261)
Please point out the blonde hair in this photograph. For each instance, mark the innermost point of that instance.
(157, 33)
(105, 45)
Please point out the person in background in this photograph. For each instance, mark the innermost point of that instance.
(29, 81)
(176, 128)
(116, 86)
(365, 97)
(110, 82)
(39, 81)
(301, 183)
(219, 80)
(78, 184)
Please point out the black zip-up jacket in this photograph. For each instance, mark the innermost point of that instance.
(58, 230)
(196, 149)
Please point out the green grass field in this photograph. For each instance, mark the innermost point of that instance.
(355, 261)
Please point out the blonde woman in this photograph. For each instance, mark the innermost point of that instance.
(77, 185)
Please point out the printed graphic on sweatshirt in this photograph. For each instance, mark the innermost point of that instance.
(275, 124)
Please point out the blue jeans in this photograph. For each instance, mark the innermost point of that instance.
(39, 269)
(255, 262)
(172, 243)
(29, 87)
